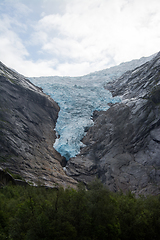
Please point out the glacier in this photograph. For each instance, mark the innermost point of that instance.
(78, 98)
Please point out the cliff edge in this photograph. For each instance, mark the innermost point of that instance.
(27, 122)
(122, 148)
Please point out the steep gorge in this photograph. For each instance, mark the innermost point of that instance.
(122, 148)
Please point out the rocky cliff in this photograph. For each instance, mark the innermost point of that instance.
(27, 122)
(123, 146)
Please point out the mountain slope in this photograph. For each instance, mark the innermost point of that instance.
(78, 98)
(123, 146)
(27, 122)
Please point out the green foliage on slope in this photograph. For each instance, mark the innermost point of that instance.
(34, 213)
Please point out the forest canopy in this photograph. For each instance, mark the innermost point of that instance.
(33, 213)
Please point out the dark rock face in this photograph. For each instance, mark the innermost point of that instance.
(123, 146)
(27, 122)
(6, 178)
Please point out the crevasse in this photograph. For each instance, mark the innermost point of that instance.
(78, 97)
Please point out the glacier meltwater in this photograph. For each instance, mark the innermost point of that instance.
(78, 97)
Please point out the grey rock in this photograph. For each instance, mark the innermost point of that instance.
(20, 182)
(124, 143)
(27, 122)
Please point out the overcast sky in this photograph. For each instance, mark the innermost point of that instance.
(76, 37)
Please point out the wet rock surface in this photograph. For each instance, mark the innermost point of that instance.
(27, 122)
(123, 146)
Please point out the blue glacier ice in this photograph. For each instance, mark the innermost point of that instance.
(78, 97)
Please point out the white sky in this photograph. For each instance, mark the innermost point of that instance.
(76, 37)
